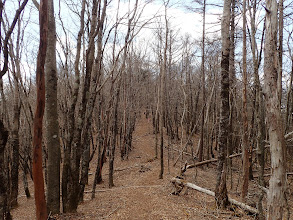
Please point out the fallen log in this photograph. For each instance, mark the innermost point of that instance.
(201, 163)
(205, 162)
(210, 161)
(211, 193)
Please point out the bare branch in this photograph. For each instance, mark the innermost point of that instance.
(5, 46)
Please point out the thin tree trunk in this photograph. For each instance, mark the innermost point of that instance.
(15, 146)
(67, 173)
(245, 172)
(289, 98)
(259, 106)
(4, 209)
(114, 136)
(232, 76)
(16, 102)
(40, 201)
(24, 180)
(280, 48)
(95, 78)
(162, 96)
(201, 145)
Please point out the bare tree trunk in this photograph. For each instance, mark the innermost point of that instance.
(162, 95)
(114, 134)
(221, 188)
(276, 201)
(95, 78)
(259, 105)
(40, 201)
(280, 48)
(67, 172)
(289, 97)
(156, 120)
(232, 76)
(4, 209)
(52, 125)
(24, 179)
(15, 140)
(245, 172)
(16, 104)
(201, 145)
(101, 152)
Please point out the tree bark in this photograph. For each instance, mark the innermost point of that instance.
(276, 201)
(15, 124)
(245, 150)
(52, 124)
(162, 96)
(232, 79)
(4, 209)
(67, 173)
(221, 189)
(259, 105)
(40, 201)
(280, 48)
(202, 130)
(16, 116)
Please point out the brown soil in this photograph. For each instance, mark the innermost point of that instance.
(140, 194)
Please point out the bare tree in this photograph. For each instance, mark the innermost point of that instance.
(280, 47)
(277, 186)
(202, 130)
(52, 125)
(162, 93)
(245, 175)
(40, 201)
(221, 188)
(4, 208)
(14, 139)
(259, 100)
(67, 183)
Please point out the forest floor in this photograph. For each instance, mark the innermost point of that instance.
(140, 194)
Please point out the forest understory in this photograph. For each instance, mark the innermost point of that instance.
(140, 194)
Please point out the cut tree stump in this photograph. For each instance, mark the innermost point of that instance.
(211, 193)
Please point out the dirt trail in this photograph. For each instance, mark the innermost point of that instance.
(138, 192)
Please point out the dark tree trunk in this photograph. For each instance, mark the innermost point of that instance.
(221, 189)
(4, 209)
(68, 172)
(15, 150)
(114, 136)
(245, 141)
(24, 180)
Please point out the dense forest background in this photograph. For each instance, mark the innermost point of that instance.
(213, 77)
